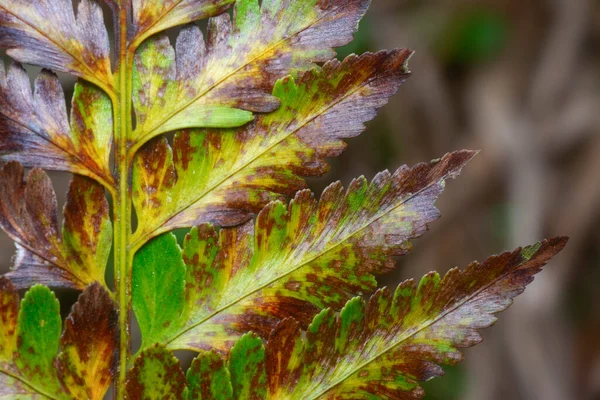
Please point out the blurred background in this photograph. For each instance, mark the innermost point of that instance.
(519, 80)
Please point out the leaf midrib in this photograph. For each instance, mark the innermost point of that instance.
(313, 258)
(427, 324)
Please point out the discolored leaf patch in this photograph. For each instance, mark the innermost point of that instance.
(73, 258)
(208, 83)
(298, 259)
(38, 335)
(208, 378)
(153, 16)
(9, 311)
(49, 35)
(384, 348)
(13, 385)
(156, 375)
(89, 343)
(224, 177)
(35, 130)
(247, 368)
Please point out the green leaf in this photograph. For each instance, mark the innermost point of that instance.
(35, 130)
(247, 368)
(153, 16)
(296, 260)
(239, 63)
(28, 214)
(223, 177)
(384, 348)
(12, 385)
(158, 289)
(87, 362)
(50, 36)
(38, 335)
(208, 378)
(156, 375)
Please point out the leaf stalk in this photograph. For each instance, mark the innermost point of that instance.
(122, 210)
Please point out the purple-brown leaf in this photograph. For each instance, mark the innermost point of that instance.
(48, 34)
(35, 130)
(73, 258)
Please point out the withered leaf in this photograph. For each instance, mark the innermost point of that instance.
(73, 258)
(208, 84)
(35, 130)
(296, 260)
(89, 343)
(223, 177)
(48, 34)
(383, 349)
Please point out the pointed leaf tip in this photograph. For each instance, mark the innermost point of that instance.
(299, 258)
(392, 342)
(199, 180)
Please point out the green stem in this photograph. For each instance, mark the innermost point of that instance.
(122, 209)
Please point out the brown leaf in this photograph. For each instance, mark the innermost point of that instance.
(89, 343)
(28, 213)
(46, 33)
(35, 130)
(383, 348)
